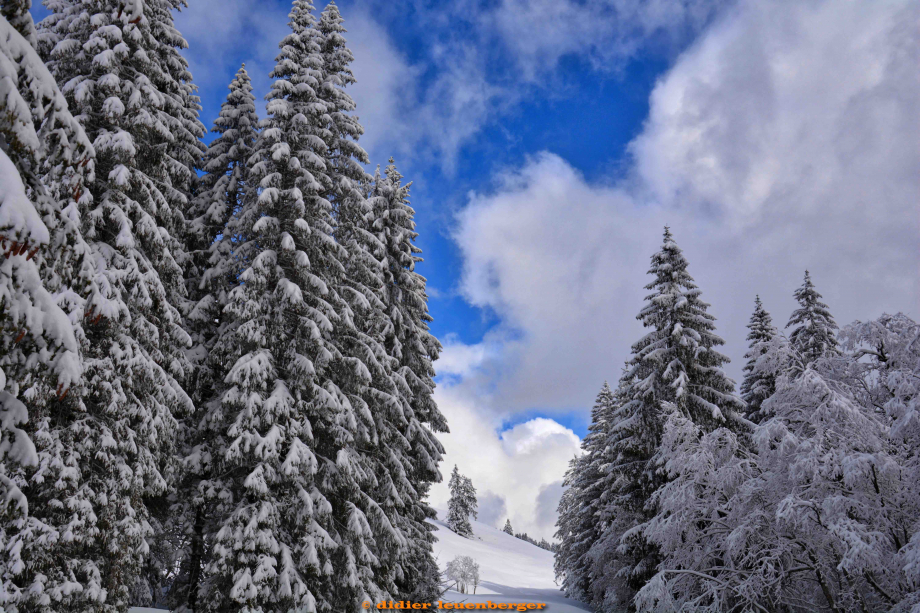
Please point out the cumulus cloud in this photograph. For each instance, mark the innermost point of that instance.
(784, 139)
(548, 502)
(511, 466)
(492, 509)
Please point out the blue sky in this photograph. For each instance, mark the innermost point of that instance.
(584, 104)
(585, 112)
(549, 141)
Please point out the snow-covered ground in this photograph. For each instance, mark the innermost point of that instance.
(510, 570)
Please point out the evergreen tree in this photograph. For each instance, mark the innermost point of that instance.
(129, 87)
(296, 533)
(468, 495)
(213, 268)
(44, 159)
(343, 155)
(578, 525)
(17, 14)
(674, 368)
(508, 529)
(401, 454)
(382, 403)
(814, 335)
(413, 349)
(460, 505)
(407, 336)
(757, 386)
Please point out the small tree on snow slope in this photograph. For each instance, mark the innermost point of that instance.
(464, 572)
(508, 529)
(462, 504)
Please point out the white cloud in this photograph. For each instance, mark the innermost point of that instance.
(511, 467)
(540, 32)
(219, 32)
(460, 359)
(548, 503)
(786, 138)
(492, 509)
(536, 436)
(385, 84)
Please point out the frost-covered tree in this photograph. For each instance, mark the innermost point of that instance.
(817, 516)
(213, 267)
(578, 524)
(508, 529)
(674, 368)
(44, 158)
(461, 505)
(120, 69)
(464, 572)
(813, 335)
(472, 572)
(756, 386)
(884, 373)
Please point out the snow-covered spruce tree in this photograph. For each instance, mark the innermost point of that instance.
(674, 368)
(813, 335)
(460, 506)
(44, 157)
(578, 526)
(401, 458)
(408, 339)
(344, 156)
(468, 495)
(213, 267)
(384, 413)
(123, 76)
(757, 386)
(286, 434)
(413, 348)
(508, 529)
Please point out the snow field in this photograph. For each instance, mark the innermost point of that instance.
(511, 570)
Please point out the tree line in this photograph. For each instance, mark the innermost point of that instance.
(215, 363)
(800, 494)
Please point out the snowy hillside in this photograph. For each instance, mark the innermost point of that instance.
(511, 570)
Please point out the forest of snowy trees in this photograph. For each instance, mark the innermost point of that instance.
(216, 370)
(800, 494)
(215, 366)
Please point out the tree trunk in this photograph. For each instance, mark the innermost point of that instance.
(194, 570)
